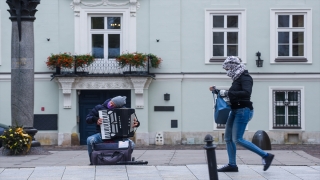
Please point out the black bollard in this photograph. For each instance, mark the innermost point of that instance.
(262, 140)
(211, 157)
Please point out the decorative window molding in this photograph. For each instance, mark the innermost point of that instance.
(287, 32)
(133, 4)
(83, 10)
(240, 30)
(301, 106)
(139, 84)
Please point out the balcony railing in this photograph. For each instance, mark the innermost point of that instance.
(105, 67)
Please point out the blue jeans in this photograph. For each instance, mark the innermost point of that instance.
(235, 128)
(96, 138)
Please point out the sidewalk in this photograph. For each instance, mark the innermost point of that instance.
(162, 164)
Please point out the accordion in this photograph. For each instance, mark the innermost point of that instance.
(117, 123)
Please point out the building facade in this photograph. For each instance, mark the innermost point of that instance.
(193, 38)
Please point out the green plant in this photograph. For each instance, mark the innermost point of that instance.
(16, 140)
(60, 60)
(154, 61)
(84, 60)
(134, 59)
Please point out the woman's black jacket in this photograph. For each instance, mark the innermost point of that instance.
(240, 91)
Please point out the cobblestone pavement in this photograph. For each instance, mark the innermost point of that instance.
(311, 149)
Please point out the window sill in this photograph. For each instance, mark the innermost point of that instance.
(217, 59)
(285, 128)
(290, 59)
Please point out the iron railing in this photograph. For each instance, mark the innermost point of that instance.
(106, 66)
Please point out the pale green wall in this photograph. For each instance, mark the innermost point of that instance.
(54, 20)
(260, 97)
(6, 25)
(197, 104)
(5, 101)
(258, 32)
(179, 25)
(161, 120)
(67, 118)
(142, 114)
(165, 23)
(46, 95)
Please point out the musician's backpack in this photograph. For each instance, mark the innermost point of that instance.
(110, 153)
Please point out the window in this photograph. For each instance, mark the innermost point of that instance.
(287, 108)
(291, 36)
(225, 35)
(98, 31)
(105, 34)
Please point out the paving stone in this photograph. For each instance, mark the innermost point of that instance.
(20, 173)
(175, 172)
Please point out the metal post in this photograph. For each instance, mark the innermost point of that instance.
(211, 157)
(75, 64)
(148, 62)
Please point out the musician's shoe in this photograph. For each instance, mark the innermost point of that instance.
(228, 168)
(267, 161)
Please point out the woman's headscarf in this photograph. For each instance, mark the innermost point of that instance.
(234, 67)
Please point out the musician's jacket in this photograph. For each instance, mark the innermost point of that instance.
(93, 116)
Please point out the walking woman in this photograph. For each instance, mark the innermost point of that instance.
(241, 113)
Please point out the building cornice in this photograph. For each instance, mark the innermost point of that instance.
(256, 76)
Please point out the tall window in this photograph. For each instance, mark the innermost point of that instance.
(291, 36)
(224, 34)
(291, 33)
(287, 109)
(106, 34)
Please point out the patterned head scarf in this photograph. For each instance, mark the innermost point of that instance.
(234, 67)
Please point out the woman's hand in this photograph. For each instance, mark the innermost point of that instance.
(212, 88)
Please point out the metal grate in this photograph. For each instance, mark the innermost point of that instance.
(107, 66)
(287, 109)
(45, 121)
(163, 108)
(174, 123)
(221, 126)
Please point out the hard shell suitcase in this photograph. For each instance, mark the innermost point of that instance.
(110, 154)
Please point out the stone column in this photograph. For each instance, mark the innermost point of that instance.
(22, 64)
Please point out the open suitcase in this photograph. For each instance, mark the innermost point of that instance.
(114, 154)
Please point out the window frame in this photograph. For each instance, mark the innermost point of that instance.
(274, 58)
(82, 29)
(286, 109)
(209, 13)
(105, 32)
(302, 106)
